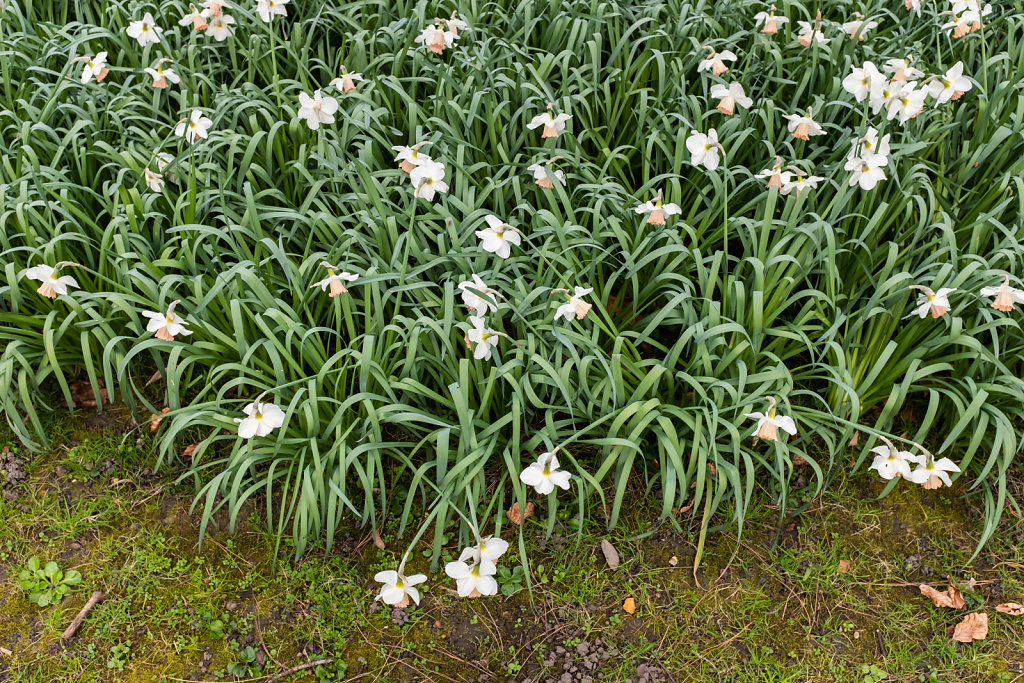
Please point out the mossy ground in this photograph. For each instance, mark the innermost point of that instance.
(823, 597)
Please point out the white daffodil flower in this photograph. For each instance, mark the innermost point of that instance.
(553, 125)
(268, 9)
(866, 171)
(213, 8)
(347, 81)
(473, 580)
(154, 180)
(454, 24)
(1005, 296)
(769, 21)
(436, 39)
(161, 76)
(194, 128)
(478, 296)
(145, 31)
(950, 86)
(411, 157)
(800, 182)
(544, 474)
(163, 160)
(913, 5)
(54, 284)
(428, 178)
(397, 589)
(716, 61)
(484, 338)
(802, 127)
(575, 306)
(871, 145)
(499, 237)
(858, 28)
(729, 96)
(261, 418)
(166, 325)
(335, 280)
(656, 211)
(890, 462)
(863, 81)
(928, 301)
(541, 176)
(316, 109)
(490, 549)
(932, 473)
(883, 96)
(220, 28)
(769, 423)
(704, 149)
(811, 33)
(777, 176)
(95, 67)
(901, 70)
(907, 103)
(196, 17)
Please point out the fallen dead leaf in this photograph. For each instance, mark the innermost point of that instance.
(190, 450)
(155, 420)
(973, 627)
(377, 540)
(517, 517)
(611, 556)
(855, 440)
(844, 566)
(712, 469)
(1012, 608)
(629, 605)
(799, 460)
(83, 396)
(948, 598)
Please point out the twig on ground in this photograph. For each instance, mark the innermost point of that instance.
(300, 667)
(76, 623)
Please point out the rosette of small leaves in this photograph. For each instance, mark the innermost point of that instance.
(47, 584)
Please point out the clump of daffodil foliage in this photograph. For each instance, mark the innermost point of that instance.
(477, 254)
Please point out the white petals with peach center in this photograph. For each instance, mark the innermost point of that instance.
(167, 325)
(397, 589)
(716, 61)
(499, 236)
(1006, 297)
(729, 96)
(428, 178)
(769, 423)
(95, 67)
(544, 474)
(316, 109)
(929, 301)
(656, 211)
(553, 125)
(575, 306)
(334, 280)
(194, 128)
(54, 284)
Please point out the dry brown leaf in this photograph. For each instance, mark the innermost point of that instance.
(83, 396)
(515, 516)
(712, 469)
(973, 627)
(377, 540)
(610, 554)
(844, 566)
(629, 605)
(1012, 608)
(190, 450)
(948, 598)
(932, 483)
(155, 420)
(855, 440)
(799, 460)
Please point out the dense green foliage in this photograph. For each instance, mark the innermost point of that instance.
(748, 294)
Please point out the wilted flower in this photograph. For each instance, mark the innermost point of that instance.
(484, 337)
(268, 8)
(931, 473)
(716, 61)
(316, 109)
(858, 28)
(1005, 296)
(478, 296)
(261, 418)
(220, 27)
(336, 281)
(498, 237)
(950, 86)
(397, 588)
(907, 103)
(802, 127)
(901, 69)
(410, 157)
(656, 211)
(194, 128)
(936, 303)
(162, 76)
(95, 67)
(553, 125)
(544, 474)
(863, 81)
(540, 173)
(473, 580)
(347, 81)
(729, 96)
(704, 149)
(768, 424)
(428, 178)
(54, 283)
(145, 31)
(575, 305)
(166, 325)
(890, 462)
(769, 21)
(154, 180)
(436, 39)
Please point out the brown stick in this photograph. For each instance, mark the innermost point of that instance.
(71, 630)
(300, 667)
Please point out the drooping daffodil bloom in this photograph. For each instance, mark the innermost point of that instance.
(95, 67)
(932, 473)
(268, 9)
(347, 81)
(260, 418)
(409, 157)
(656, 211)
(553, 125)
(316, 109)
(928, 301)
(161, 76)
(543, 173)
(154, 180)
(950, 86)
(53, 283)
(811, 33)
(769, 21)
(705, 149)
(454, 24)
(436, 38)
(891, 462)
(397, 589)
(145, 31)
(428, 178)
(194, 128)
(802, 127)
(777, 176)
(196, 17)
(1005, 296)
(544, 474)
(716, 61)
(167, 325)
(473, 580)
(482, 339)
(858, 28)
(902, 71)
(499, 236)
(769, 423)
(729, 96)
(575, 306)
(478, 296)
(335, 280)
